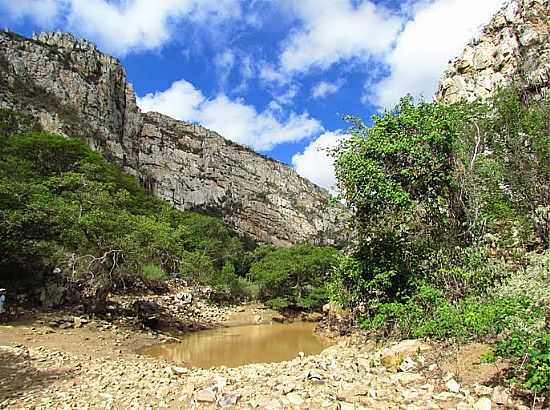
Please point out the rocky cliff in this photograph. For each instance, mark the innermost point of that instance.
(72, 88)
(514, 46)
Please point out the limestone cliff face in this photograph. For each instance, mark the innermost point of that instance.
(514, 46)
(72, 88)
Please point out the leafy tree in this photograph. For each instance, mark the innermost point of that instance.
(294, 276)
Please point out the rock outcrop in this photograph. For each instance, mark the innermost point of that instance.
(514, 46)
(72, 88)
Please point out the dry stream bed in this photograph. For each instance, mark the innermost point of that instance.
(106, 365)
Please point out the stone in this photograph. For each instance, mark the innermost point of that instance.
(286, 388)
(53, 294)
(185, 298)
(452, 386)
(206, 396)
(314, 317)
(228, 400)
(500, 396)
(410, 347)
(483, 404)
(391, 360)
(314, 375)
(406, 378)
(295, 399)
(180, 370)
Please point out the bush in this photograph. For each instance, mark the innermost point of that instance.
(154, 273)
(63, 205)
(294, 276)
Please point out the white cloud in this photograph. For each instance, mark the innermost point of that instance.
(324, 88)
(233, 119)
(124, 26)
(270, 75)
(316, 163)
(138, 25)
(43, 12)
(335, 30)
(438, 31)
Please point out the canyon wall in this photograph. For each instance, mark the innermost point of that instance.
(73, 89)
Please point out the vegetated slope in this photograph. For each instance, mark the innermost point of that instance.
(452, 203)
(452, 208)
(70, 87)
(64, 206)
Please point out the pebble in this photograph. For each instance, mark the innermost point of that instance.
(206, 395)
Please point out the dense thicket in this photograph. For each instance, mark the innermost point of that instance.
(448, 200)
(64, 206)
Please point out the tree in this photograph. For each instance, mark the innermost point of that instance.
(294, 276)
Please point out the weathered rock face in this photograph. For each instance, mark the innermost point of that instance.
(196, 168)
(514, 46)
(74, 89)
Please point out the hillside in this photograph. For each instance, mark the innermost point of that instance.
(72, 88)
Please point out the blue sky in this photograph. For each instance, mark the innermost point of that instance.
(276, 75)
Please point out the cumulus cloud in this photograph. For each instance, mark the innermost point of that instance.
(324, 88)
(123, 26)
(43, 12)
(315, 162)
(335, 30)
(234, 119)
(126, 26)
(436, 33)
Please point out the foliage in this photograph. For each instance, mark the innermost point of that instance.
(448, 201)
(294, 276)
(153, 273)
(63, 205)
(437, 191)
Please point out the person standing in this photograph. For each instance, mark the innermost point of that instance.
(3, 311)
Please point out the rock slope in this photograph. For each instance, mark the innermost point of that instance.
(514, 46)
(72, 88)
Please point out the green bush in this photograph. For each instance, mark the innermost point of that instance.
(297, 275)
(153, 273)
(63, 205)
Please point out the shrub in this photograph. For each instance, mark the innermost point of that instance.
(63, 205)
(297, 274)
(153, 273)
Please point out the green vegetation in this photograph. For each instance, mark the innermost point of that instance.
(452, 213)
(293, 277)
(63, 205)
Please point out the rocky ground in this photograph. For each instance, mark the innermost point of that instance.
(51, 361)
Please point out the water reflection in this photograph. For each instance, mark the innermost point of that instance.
(241, 345)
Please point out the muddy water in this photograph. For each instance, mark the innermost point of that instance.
(237, 346)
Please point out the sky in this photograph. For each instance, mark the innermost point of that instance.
(276, 75)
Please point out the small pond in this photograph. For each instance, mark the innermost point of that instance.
(237, 346)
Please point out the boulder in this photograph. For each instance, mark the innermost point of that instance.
(206, 396)
(53, 295)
